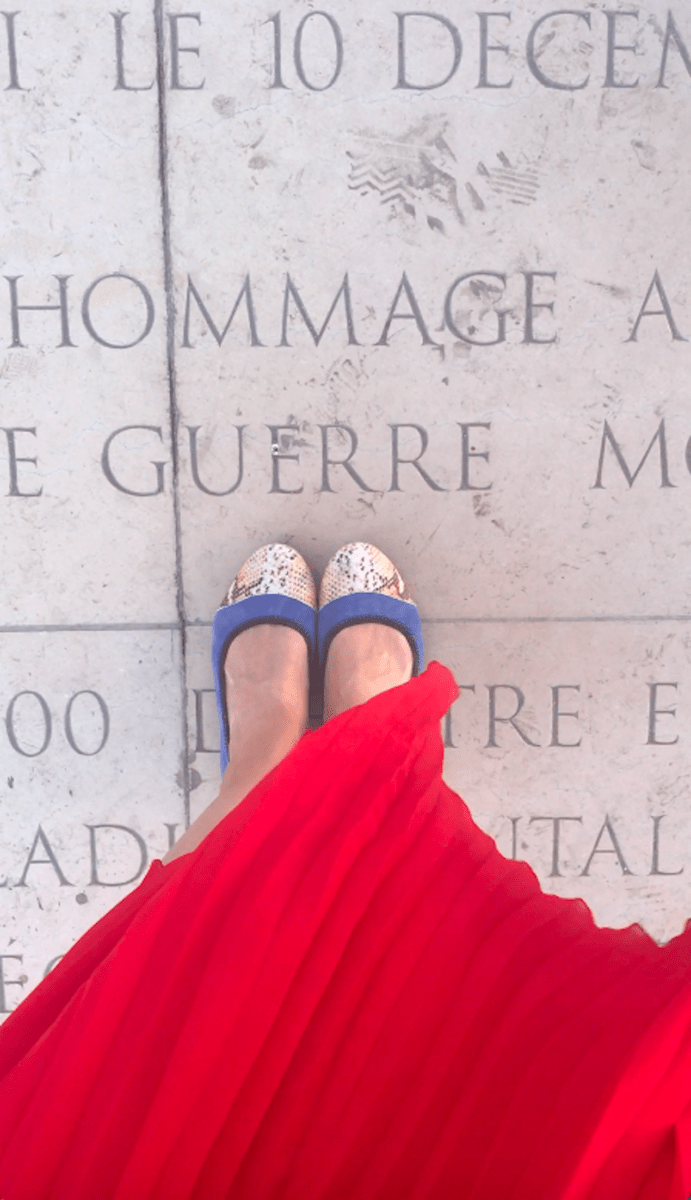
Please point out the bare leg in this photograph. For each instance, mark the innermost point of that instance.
(267, 695)
(364, 660)
(266, 680)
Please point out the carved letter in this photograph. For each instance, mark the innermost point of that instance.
(612, 17)
(655, 864)
(402, 81)
(530, 50)
(297, 51)
(45, 718)
(557, 713)
(665, 312)
(193, 430)
(176, 50)
(16, 308)
(414, 315)
(244, 293)
(277, 443)
(486, 49)
(108, 471)
(494, 720)
(414, 462)
(317, 335)
(31, 861)
(659, 437)
(86, 313)
(14, 83)
(556, 827)
(144, 856)
(531, 307)
(468, 452)
(200, 728)
(120, 84)
(654, 712)
(672, 34)
(340, 462)
(501, 315)
(7, 982)
(105, 723)
(14, 458)
(616, 849)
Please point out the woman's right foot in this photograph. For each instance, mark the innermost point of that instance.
(267, 688)
(265, 682)
(266, 670)
(265, 676)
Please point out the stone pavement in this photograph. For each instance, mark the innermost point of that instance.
(415, 277)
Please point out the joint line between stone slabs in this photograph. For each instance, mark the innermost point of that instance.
(172, 384)
(622, 620)
(552, 621)
(136, 626)
(113, 627)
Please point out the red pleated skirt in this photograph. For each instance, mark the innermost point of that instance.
(347, 993)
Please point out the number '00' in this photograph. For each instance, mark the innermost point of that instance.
(35, 709)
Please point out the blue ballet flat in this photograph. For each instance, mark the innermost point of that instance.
(272, 566)
(361, 607)
(361, 566)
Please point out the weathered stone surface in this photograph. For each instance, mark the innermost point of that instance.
(90, 781)
(82, 235)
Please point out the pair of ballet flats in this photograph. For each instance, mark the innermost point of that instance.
(276, 586)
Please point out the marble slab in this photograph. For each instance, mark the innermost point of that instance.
(451, 290)
(85, 456)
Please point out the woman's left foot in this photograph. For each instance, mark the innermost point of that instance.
(368, 657)
(364, 660)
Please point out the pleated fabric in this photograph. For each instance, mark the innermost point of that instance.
(347, 993)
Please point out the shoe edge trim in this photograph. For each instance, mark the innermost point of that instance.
(358, 608)
(270, 608)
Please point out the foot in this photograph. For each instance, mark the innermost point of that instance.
(266, 681)
(267, 695)
(364, 660)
